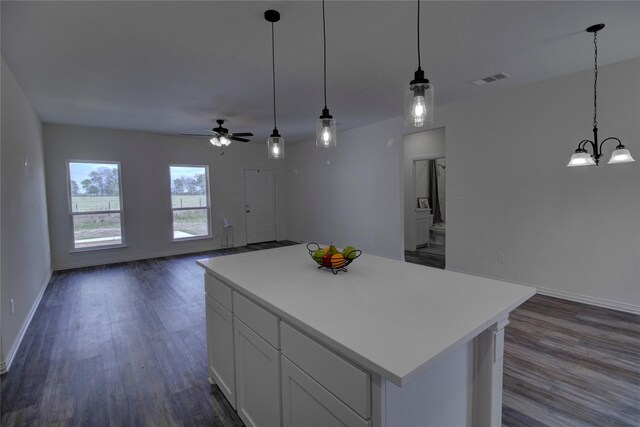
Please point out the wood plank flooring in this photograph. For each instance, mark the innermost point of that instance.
(431, 256)
(119, 345)
(570, 364)
(124, 345)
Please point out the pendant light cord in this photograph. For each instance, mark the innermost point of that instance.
(273, 63)
(324, 39)
(595, 80)
(418, 26)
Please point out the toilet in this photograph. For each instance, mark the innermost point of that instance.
(437, 233)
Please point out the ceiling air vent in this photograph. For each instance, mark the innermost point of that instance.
(490, 79)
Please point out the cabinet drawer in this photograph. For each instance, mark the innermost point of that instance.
(257, 318)
(218, 291)
(346, 381)
(307, 403)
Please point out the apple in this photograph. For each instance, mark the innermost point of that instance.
(349, 252)
(317, 255)
(326, 260)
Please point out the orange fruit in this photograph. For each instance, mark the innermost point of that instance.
(337, 261)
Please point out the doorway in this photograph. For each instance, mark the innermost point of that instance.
(425, 202)
(260, 205)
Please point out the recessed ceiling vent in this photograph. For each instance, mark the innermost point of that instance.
(490, 79)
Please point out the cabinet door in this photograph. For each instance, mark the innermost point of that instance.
(257, 378)
(305, 403)
(422, 231)
(220, 348)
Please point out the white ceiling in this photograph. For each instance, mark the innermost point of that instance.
(174, 67)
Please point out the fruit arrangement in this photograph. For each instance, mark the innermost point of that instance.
(332, 258)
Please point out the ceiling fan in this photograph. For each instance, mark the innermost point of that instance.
(221, 136)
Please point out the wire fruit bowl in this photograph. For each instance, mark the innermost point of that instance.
(332, 261)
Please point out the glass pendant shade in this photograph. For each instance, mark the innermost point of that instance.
(215, 141)
(620, 155)
(418, 107)
(581, 158)
(275, 146)
(275, 142)
(326, 136)
(224, 141)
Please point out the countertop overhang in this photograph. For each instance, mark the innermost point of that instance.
(394, 318)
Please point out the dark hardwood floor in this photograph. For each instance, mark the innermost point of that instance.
(124, 345)
(431, 256)
(119, 345)
(570, 364)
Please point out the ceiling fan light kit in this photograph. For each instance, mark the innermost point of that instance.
(418, 105)
(326, 135)
(581, 156)
(221, 136)
(275, 143)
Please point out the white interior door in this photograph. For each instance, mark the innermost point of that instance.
(260, 205)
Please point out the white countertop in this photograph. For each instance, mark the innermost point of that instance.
(394, 318)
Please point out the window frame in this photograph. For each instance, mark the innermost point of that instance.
(123, 243)
(210, 234)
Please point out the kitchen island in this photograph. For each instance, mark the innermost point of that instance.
(386, 344)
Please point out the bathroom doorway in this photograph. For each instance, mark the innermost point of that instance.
(425, 201)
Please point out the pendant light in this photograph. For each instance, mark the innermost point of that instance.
(418, 105)
(581, 156)
(275, 143)
(326, 125)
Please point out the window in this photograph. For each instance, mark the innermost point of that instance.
(96, 204)
(190, 202)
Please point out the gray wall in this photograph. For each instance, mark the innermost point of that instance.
(571, 232)
(145, 160)
(25, 261)
(350, 195)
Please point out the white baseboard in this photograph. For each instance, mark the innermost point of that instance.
(128, 258)
(599, 302)
(571, 296)
(6, 364)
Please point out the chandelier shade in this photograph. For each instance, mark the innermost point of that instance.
(581, 158)
(620, 155)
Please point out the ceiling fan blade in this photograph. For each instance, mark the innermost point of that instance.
(195, 134)
(235, 138)
(242, 134)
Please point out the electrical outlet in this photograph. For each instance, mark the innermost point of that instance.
(13, 309)
(502, 257)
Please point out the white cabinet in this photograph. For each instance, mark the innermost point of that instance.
(243, 341)
(220, 348)
(311, 386)
(424, 221)
(319, 387)
(422, 231)
(257, 378)
(305, 403)
(339, 376)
